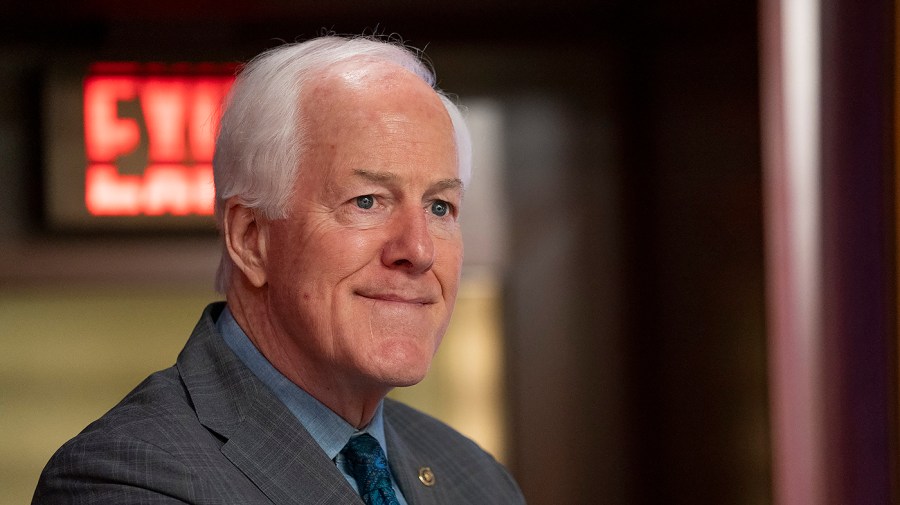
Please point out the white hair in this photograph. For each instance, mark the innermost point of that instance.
(261, 133)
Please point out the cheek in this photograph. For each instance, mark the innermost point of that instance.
(345, 252)
(332, 269)
(326, 254)
(448, 260)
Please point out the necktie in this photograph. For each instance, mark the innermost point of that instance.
(368, 466)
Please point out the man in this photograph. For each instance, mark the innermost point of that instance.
(339, 179)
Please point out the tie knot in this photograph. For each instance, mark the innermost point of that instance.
(367, 464)
(365, 450)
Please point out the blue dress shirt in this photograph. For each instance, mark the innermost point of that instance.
(327, 428)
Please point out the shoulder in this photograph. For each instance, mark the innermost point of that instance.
(412, 423)
(157, 411)
(134, 452)
(473, 474)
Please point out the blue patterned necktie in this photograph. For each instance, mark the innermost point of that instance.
(368, 466)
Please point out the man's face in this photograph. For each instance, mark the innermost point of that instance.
(363, 274)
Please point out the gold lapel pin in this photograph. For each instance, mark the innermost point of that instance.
(426, 476)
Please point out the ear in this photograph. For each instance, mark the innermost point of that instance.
(245, 239)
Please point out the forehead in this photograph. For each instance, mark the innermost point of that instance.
(380, 110)
(366, 90)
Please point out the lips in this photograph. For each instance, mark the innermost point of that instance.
(397, 297)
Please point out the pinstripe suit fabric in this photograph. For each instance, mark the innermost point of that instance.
(207, 431)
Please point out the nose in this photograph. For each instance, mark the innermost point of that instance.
(410, 245)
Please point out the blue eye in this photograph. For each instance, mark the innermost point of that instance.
(365, 201)
(440, 208)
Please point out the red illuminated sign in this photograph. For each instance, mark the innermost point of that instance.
(173, 113)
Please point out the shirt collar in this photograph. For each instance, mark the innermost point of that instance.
(327, 428)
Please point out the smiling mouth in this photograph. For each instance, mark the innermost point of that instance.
(396, 298)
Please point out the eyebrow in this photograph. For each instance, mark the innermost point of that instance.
(388, 178)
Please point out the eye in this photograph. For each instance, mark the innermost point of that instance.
(365, 201)
(440, 208)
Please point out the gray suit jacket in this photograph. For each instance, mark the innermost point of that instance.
(208, 431)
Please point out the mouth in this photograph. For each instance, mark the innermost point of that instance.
(392, 297)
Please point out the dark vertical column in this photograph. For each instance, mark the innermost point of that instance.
(694, 291)
(563, 308)
(639, 42)
(859, 304)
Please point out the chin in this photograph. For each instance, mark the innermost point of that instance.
(405, 368)
(413, 376)
(403, 382)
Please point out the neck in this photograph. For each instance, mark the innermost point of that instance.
(354, 401)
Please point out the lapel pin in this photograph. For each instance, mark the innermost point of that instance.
(426, 476)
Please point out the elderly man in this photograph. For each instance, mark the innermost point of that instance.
(339, 179)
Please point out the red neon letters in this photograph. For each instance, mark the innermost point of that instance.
(180, 115)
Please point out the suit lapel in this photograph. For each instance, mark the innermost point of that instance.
(263, 439)
(406, 465)
(274, 451)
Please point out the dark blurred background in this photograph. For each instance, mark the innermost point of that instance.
(633, 287)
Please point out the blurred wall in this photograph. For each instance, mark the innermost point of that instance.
(633, 294)
(644, 313)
